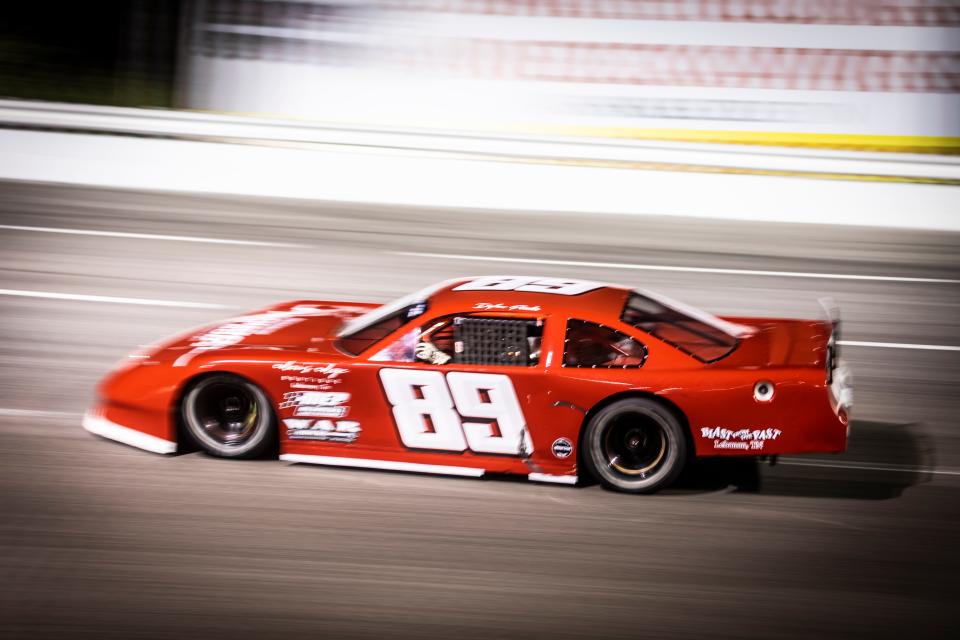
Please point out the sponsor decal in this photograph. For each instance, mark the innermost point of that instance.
(322, 412)
(416, 310)
(237, 330)
(557, 286)
(343, 431)
(311, 310)
(497, 306)
(234, 332)
(319, 404)
(562, 448)
(327, 371)
(745, 439)
(310, 382)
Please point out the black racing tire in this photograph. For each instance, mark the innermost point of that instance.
(635, 445)
(228, 417)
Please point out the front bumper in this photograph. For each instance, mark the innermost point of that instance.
(95, 422)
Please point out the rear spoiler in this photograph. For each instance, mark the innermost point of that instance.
(832, 311)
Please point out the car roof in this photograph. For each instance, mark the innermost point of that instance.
(472, 295)
(528, 294)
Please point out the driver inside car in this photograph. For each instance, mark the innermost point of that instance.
(426, 351)
(414, 346)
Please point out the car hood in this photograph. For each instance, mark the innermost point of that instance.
(781, 342)
(299, 324)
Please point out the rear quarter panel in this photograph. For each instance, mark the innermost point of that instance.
(719, 408)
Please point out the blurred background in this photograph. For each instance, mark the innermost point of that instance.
(867, 72)
(167, 164)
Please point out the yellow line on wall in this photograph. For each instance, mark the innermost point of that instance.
(859, 142)
(847, 141)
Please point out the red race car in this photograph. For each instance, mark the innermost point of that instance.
(543, 377)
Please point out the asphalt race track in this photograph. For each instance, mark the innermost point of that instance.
(99, 540)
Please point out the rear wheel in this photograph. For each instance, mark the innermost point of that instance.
(228, 416)
(635, 445)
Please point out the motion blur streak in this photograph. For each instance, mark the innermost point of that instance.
(869, 467)
(102, 541)
(112, 299)
(663, 267)
(145, 236)
(35, 413)
(898, 345)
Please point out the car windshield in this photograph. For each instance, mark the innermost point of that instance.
(364, 331)
(703, 336)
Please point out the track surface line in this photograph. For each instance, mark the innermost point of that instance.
(51, 295)
(146, 236)
(658, 267)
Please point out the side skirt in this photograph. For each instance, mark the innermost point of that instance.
(546, 477)
(389, 465)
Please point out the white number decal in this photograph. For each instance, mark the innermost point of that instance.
(491, 398)
(530, 285)
(424, 411)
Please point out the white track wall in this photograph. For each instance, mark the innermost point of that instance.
(359, 174)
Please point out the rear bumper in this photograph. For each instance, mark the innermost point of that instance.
(841, 393)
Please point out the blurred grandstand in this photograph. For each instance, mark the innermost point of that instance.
(881, 74)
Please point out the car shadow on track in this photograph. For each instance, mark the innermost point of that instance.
(882, 460)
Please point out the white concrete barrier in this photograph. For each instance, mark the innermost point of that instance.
(364, 174)
(207, 126)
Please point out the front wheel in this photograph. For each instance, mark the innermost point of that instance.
(635, 445)
(228, 416)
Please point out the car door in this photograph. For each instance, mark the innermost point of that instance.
(459, 389)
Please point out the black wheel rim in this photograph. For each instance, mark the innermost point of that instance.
(634, 444)
(227, 413)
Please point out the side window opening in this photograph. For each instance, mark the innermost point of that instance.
(497, 341)
(469, 340)
(596, 346)
(366, 336)
(694, 332)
